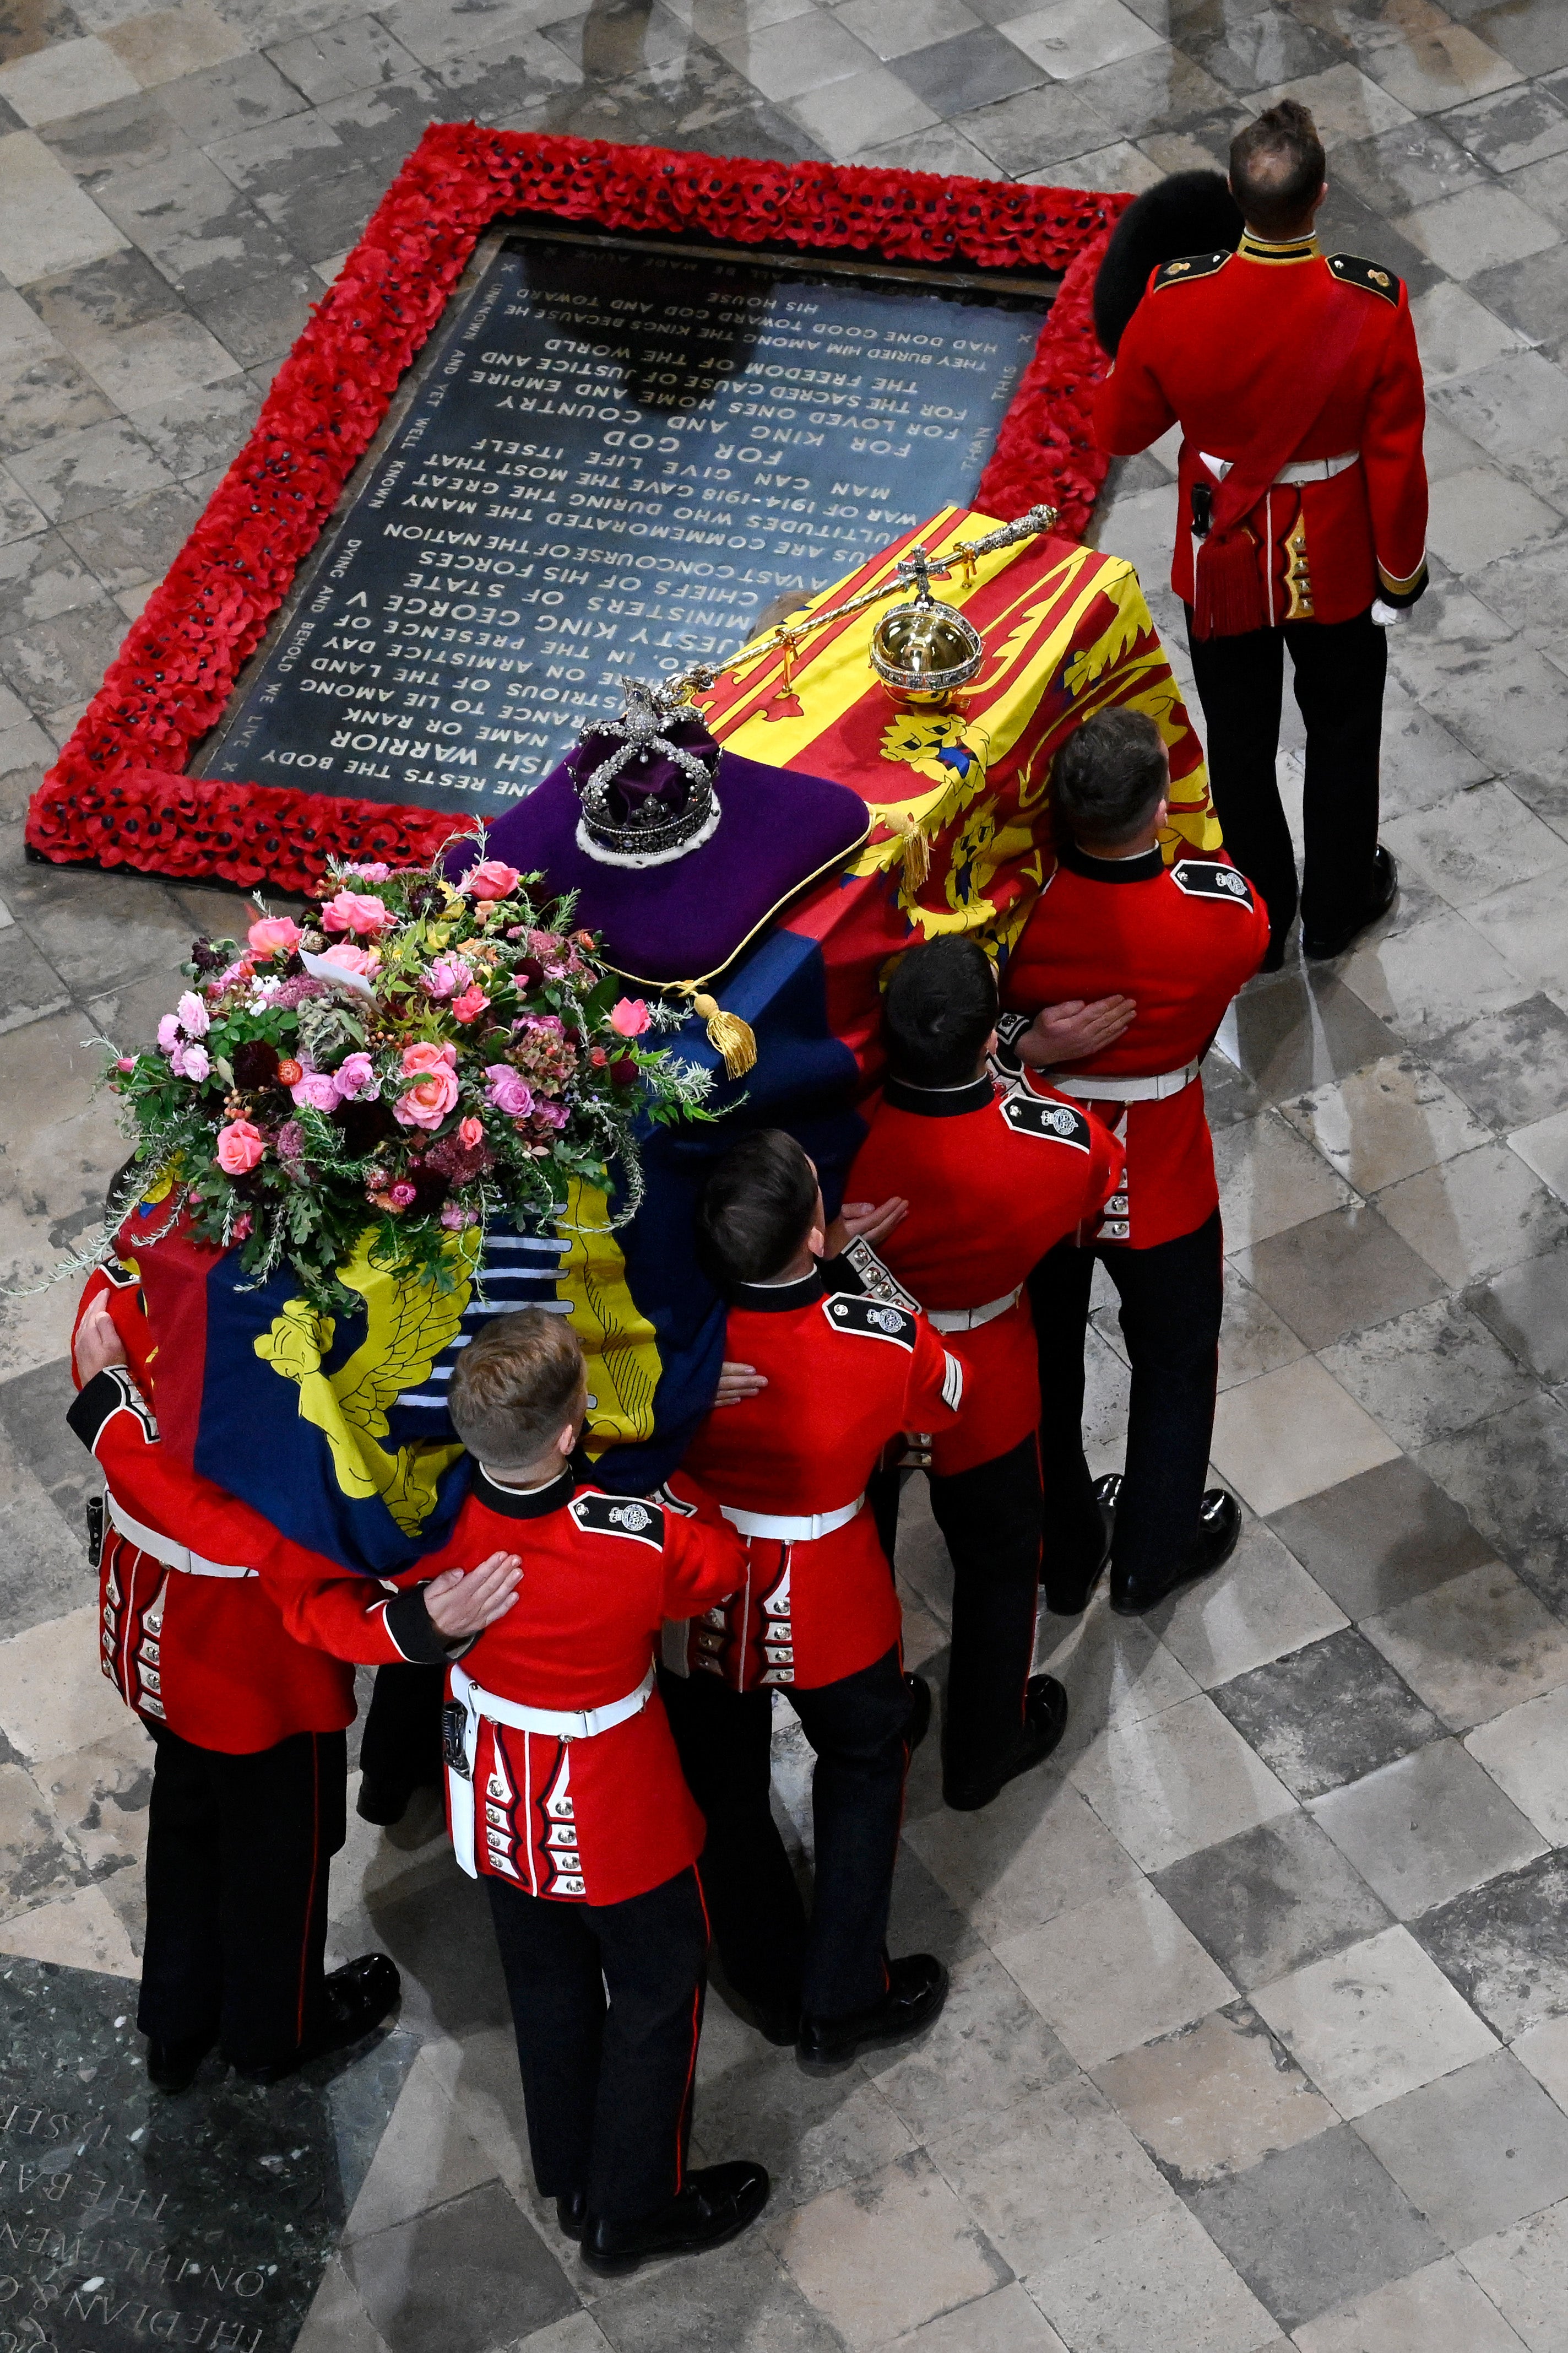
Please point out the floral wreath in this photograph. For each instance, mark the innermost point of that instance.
(118, 794)
(420, 1058)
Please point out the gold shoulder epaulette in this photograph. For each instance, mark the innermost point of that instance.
(1351, 270)
(1191, 265)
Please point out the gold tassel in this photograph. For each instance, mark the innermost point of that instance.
(916, 853)
(728, 1035)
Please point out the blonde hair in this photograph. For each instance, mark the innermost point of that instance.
(516, 1388)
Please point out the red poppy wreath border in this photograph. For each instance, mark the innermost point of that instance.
(117, 795)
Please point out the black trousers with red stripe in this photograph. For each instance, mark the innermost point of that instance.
(237, 1854)
(606, 2002)
(838, 1962)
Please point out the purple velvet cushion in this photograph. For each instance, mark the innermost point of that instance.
(681, 921)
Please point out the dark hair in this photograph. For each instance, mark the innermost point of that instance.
(1277, 166)
(940, 1008)
(516, 1388)
(1109, 776)
(756, 1209)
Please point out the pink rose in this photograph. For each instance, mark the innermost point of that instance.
(455, 1219)
(469, 1006)
(242, 1227)
(240, 1146)
(425, 1055)
(357, 911)
(507, 1090)
(355, 1079)
(190, 1063)
(317, 1090)
(168, 1033)
(470, 1132)
(348, 959)
(445, 977)
(274, 935)
(374, 871)
(491, 879)
(193, 1014)
(628, 1017)
(550, 1114)
(427, 1102)
(125, 1062)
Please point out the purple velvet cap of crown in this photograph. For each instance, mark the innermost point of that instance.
(647, 775)
(688, 918)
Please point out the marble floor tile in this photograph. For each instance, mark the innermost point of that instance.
(812, 2134)
(1413, 164)
(46, 223)
(1333, 1274)
(1525, 1751)
(1505, 1471)
(1164, 2282)
(1214, 2098)
(64, 80)
(1115, 1973)
(1426, 1827)
(1473, 844)
(1299, 1029)
(80, 1929)
(1481, 516)
(1524, 2271)
(1425, 1374)
(53, 1701)
(835, 114)
(1116, 1671)
(1375, 2021)
(1047, 2178)
(1456, 334)
(1329, 1714)
(1475, 2151)
(1037, 1850)
(469, 2270)
(897, 2249)
(1270, 1900)
(1510, 1065)
(1543, 1147)
(1006, 2321)
(1177, 1781)
(1253, 1339)
(1308, 2224)
(1287, 1434)
(1500, 1945)
(1543, 2049)
(1514, 127)
(1379, 1538)
(988, 2048)
(1474, 1215)
(1425, 980)
(1524, 923)
(1072, 37)
(424, 2156)
(1036, 127)
(1476, 228)
(1345, 104)
(1260, 1604)
(1438, 2309)
(1390, 1120)
(969, 69)
(781, 64)
(1474, 1646)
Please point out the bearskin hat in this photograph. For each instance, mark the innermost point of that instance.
(1192, 212)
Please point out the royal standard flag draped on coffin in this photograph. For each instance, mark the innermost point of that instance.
(336, 1428)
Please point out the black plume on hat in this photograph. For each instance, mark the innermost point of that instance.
(1192, 212)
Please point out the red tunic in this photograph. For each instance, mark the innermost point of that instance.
(206, 1654)
(1218, 345)
(1179, 940)
(994, 1177)
(592, 1821)
(845, 1376)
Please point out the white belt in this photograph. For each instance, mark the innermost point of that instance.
(559, 1724)
(970, 1319)
(1157, 1088)
(1305, 469)
(781, 1529)
(165, 1548)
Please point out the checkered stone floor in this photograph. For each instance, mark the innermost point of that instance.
(1259, 2032)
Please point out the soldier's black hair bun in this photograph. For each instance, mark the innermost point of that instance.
(1192, 212)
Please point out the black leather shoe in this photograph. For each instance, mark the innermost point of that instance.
(1384, 890)
(717, 2203)
(917, 1987)
(1218, 1532)
(171, 2066)
(776, 2020)
(1069, 1597)
(355, 1999)
(1045, 1721)
(919, 1711)
(571, 2214)
(1274, 954)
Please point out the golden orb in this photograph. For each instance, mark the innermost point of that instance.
(924, 652)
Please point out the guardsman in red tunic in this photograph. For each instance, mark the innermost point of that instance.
(817, 1615)
(1301, 518)
(251, 1764)
(566, 1793)
(994, 1176)
(1181, 940)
